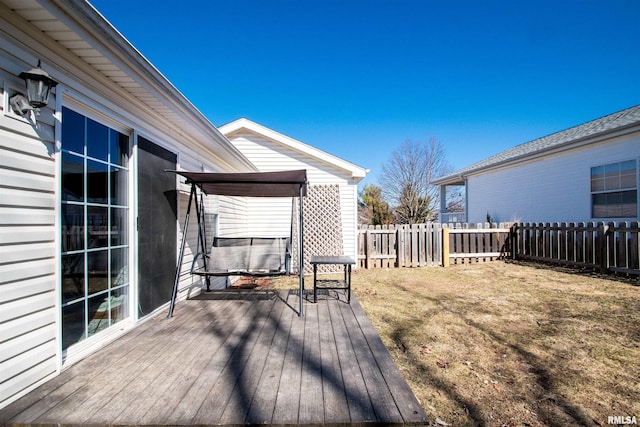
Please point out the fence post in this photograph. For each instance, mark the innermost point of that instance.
(368, 244)
(400, 245)
(445, 247)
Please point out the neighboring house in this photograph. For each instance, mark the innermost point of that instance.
(586, 173)
(333, 192)
(89, 220)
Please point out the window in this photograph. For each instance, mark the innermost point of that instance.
(614, 190)
(95, 241)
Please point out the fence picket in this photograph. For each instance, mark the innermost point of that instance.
(634, 248)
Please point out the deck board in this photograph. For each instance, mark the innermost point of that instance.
(263, 404)
(333, 392)
(233, 358)
(287, 403)
(358, 401)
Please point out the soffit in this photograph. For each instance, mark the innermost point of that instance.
(57, 30)
(77, 27)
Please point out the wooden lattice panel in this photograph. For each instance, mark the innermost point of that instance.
(322, 227)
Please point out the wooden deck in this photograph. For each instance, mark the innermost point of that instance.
(233, 358)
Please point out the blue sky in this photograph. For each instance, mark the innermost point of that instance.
(357, 78)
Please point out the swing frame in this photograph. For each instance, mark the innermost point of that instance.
(253, 184)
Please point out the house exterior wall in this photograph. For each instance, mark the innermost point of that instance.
(30, 193)
(553, 188)
(269, 156)
(28, 236)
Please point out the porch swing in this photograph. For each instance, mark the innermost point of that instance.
(242, 256)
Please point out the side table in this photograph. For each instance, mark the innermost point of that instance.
(345, 261)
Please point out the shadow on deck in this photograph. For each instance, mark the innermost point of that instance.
(233, 358)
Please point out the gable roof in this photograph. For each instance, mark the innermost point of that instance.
(243, 124)
(615, 124)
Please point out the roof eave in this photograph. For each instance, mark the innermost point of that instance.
(580, 142)
(104, 36)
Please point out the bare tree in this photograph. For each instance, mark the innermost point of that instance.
(407, 180)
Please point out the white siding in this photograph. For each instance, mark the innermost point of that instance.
(554, 188)
(233, 220)
(269, 156)
(28, 331)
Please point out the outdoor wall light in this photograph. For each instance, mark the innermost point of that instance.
(39, 85)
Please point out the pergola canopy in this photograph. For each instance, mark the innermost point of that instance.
(252, 184)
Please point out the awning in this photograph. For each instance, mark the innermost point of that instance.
(253, 184)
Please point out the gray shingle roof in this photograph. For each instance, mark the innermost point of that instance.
(603, 125)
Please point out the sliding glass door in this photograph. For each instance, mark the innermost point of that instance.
(94, 227)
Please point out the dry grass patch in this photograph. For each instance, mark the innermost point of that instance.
(506, 344)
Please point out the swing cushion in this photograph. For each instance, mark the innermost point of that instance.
(253, 256)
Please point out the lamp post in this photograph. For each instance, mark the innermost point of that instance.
(39, 84)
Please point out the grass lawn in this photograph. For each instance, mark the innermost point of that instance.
(508, 344)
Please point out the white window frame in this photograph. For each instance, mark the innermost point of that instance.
(609, 186)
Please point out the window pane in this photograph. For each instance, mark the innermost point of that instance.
(119, 187)
(614, 205)
(628, 166)
(597, 172)
(98, 313)
(73, 324)
(98, 270)
(119, 226)
(599, 203)
(612, 181)
(97, 184)
(629, 204)
(72, 177)
(97, 140)
(119, 270)
(628, 177)
(612, 176)
(98, 226)
(72, 277)
(118, 148)
(597, 184)
(119, 304)
(72, 131)
(72, 227)
(612, 169)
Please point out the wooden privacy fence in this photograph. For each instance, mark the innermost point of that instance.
(607, 248)
(612, 247)
(430, 244)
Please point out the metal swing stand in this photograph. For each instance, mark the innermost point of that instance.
(256, 184)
